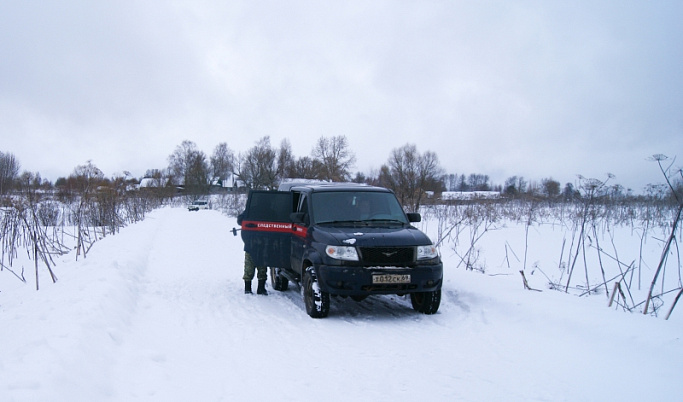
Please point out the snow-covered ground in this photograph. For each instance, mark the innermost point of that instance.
(157, 312)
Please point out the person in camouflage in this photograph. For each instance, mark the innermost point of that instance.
(249, 271)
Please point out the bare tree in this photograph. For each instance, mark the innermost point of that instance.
(410, 174)
(257, 168)
(222, 162)
(286, 165)
(510, 186)
(402, 168)
(335, 158)
(86, 178)
(385, 178)
(450, 181)
(305, 168)
(478, 182)
(551, 188)
(569, 193)
(189, 167)
(197, 178)
(9, 171)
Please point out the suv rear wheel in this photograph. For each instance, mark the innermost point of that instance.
(317, 301)
(426, 302)
(278, 281)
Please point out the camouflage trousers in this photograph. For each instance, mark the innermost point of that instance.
(249, 269)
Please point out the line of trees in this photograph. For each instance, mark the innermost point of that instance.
(514, 186)
(407, 171)
(264, 166)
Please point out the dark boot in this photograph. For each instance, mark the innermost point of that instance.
(247, 287)
(261, 290)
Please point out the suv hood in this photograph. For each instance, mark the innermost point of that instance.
(371, 236)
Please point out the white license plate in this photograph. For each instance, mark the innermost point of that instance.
(391, 278)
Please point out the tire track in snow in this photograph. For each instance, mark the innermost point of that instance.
(191, 301)
(182, 309)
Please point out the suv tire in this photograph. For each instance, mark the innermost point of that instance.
(317, 302)
(426, 302)
(278, 281)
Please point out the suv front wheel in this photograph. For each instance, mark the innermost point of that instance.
(317, 301)
(426, 302)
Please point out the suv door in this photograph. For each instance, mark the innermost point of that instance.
(299, 231)
(267, 229)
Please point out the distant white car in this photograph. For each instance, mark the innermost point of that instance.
(197, 205)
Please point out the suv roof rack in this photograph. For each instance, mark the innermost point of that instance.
(288, 184)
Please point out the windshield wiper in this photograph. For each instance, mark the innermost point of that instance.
(387, 220)
(350, 222)
(362, 222)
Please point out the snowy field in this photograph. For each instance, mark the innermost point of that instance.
(158, 313)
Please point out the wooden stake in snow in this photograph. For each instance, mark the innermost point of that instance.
(526, 283)
(617, 287)
(678, 296)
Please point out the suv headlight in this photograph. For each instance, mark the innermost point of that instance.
(426, 252)
(342, 253)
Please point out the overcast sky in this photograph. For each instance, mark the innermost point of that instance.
(529, 88)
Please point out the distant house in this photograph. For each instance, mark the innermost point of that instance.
(231, 182)
(151, 182)
(470, 195)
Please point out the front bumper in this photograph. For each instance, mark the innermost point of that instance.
(358, 281)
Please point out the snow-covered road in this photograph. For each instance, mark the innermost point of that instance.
(157, 312)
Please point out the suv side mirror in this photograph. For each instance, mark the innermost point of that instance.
(414, 217)
(298, 217)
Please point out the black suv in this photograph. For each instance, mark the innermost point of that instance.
(341, 239)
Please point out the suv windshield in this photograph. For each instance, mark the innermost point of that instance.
(356, 206)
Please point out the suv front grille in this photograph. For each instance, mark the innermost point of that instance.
(379, 256)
